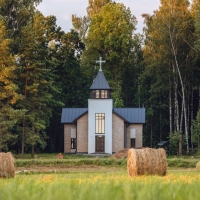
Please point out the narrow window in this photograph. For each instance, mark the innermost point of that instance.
(93, 94)
(102, 94)
(106, 94)
(73, 143)
(97, 94)
(132, 142)
(100, 123)
(133, 136)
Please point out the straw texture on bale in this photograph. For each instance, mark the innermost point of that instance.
(198, 166)
(146, 161)
(7, 169)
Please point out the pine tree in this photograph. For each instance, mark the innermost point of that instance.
(36, 80)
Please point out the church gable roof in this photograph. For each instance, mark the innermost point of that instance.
(132, 115)
(100, 82)
(70, 115)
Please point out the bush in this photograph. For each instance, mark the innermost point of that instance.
(71, 162)
(178, 162)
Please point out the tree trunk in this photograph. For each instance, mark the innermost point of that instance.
(170, 112)
(170, 104)
(23, 123)
(0, 144)
(160, 125)
(23, 135)
(181, 120)
(199, 98)
(183, 92)
(191, 117)
(176, 109)
(151, 136)
(180, 145)
(32, 151)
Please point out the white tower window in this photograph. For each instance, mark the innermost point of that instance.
(100, 123)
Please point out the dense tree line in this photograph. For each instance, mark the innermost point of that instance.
(39, 64)
(171, 59)
(43, 69)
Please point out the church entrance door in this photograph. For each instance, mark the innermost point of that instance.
(100, 144)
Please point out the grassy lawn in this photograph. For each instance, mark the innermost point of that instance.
(49, 160)
(103, 182)
(97, 178)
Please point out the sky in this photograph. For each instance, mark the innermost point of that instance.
(63, 10)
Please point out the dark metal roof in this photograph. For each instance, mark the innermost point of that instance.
(71, 114)
(132, 115)
(100, 82)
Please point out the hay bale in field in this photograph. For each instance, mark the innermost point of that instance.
(146, 161)
(7, 169)
(198, 166)
(120, 154)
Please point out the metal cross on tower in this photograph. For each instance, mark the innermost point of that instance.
(100, 61)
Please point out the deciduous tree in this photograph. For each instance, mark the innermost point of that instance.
(169, 34)
(196, 131)
(110, 36)
(8, 90)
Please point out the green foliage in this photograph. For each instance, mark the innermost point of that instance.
(36, 78)
(16, 14)
(110, 36)
(196, 130)
(117, 93)
(196, 12)
(49, 69)
(182, 163)
(8, 94)
(47, 63)
(70, 162)
(81, 24)
(49, 160)
(71, 82)
(168, 67)
(174, 139)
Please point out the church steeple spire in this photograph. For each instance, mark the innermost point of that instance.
(100, 88)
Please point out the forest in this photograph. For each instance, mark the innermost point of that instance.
(43, 69)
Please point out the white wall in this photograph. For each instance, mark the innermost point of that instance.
(100, 106)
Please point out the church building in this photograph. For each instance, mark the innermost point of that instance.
(100, 128)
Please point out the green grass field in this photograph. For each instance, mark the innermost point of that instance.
(102, 183)
(98, 178)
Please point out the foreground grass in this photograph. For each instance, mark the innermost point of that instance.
(112, 184)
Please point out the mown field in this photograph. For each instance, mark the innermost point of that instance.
(50, 160)
(93, 178)
(104, 183)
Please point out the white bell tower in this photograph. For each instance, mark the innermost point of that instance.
(100, 107)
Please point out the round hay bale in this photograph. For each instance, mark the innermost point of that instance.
(198, 166)
(146, 161)
(7, 169)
